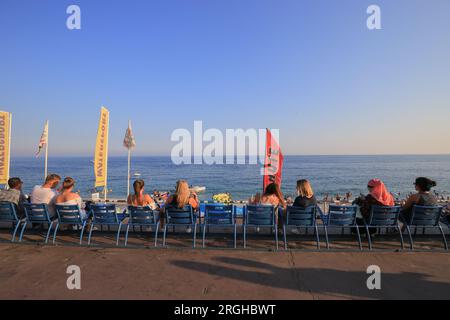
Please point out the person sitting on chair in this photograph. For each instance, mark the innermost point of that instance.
(423, 197)
(14, 195)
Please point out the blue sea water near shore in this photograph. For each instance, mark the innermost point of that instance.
(328, 174)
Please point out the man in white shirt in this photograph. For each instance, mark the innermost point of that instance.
(45, 193)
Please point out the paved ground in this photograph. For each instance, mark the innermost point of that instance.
(32, 271)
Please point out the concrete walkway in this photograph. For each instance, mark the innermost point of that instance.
(31, 271)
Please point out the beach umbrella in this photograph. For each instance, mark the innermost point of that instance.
(129, 142)
(43, 142)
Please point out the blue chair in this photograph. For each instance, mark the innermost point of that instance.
(180, 217)
(38, 214)
(8, 214)
(142, 217)
(260, 216)
(425, 217)
(219, 215)
(297, 217)
(383, 217)
(104, 215)
(70, 215)
(341, 217)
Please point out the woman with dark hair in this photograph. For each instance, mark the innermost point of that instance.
(140, 198)
(271, 196)
(67, 197)
(423, 197)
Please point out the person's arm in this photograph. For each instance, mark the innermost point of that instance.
(168, 201)
(412, 200)
(129, 200)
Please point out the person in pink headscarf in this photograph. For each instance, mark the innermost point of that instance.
(378, 195)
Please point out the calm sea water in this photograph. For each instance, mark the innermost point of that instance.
(328, 174)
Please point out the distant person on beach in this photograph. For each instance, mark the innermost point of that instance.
(140, 198)
(423, 197)
(183, 196)
(45, 194)
(14, 195)
(305, 196)
(378, 195)
(68, 198)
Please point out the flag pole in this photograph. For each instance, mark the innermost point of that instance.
(46, 155)
(129, 175)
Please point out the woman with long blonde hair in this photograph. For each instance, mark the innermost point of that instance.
(183, 196)
(305, 193)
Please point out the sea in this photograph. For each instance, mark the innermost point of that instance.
(329, 175)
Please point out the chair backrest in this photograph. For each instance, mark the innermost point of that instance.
(8, 212)
(141, 215)
(219, 214)
(384, 216)
(341, 215)
(425, 215)
(104, 213)
(261, 215)
(177, 215)
(70, 214)
(37, 213)
(298, 216)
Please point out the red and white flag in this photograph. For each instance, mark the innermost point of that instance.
(129, 142)
(273, 162)
(44, 139)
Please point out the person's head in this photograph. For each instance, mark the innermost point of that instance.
(15, 183)
(182, 193)
(374, 183)
(138, 187)
(424, 184)
(68, 184)
(274, 189)
(52, 180)
(304, 188)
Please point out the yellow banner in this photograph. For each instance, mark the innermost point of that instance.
(5, 146)
(101, 150)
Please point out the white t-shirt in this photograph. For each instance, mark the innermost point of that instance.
(42, 195)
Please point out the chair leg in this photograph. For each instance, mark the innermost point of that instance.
(90, 233)
(164, 235)
(245, 236)
(276, 236)
(21, 231)
(285, 238)
(359, 238)
(195, 234)
(411, 243)
(48, 233)
(325, 228)
(54, 233)
(401, 236)
(118, 234)
(443, 238)
(156, 234)
(13, 239)
(317, 236)
(369, 238)
(82, 232)
(235, 235)
(126, 234)
(204, 236)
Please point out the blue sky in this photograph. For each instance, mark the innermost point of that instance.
(310, 68)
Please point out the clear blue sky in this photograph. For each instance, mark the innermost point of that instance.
(310, 68)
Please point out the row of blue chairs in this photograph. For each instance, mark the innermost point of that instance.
(220, 215)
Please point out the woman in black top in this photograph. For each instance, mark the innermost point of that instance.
(306, 196)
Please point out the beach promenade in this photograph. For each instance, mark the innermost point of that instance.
(30, 271)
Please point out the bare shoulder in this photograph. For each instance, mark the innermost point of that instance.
(148, 198)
